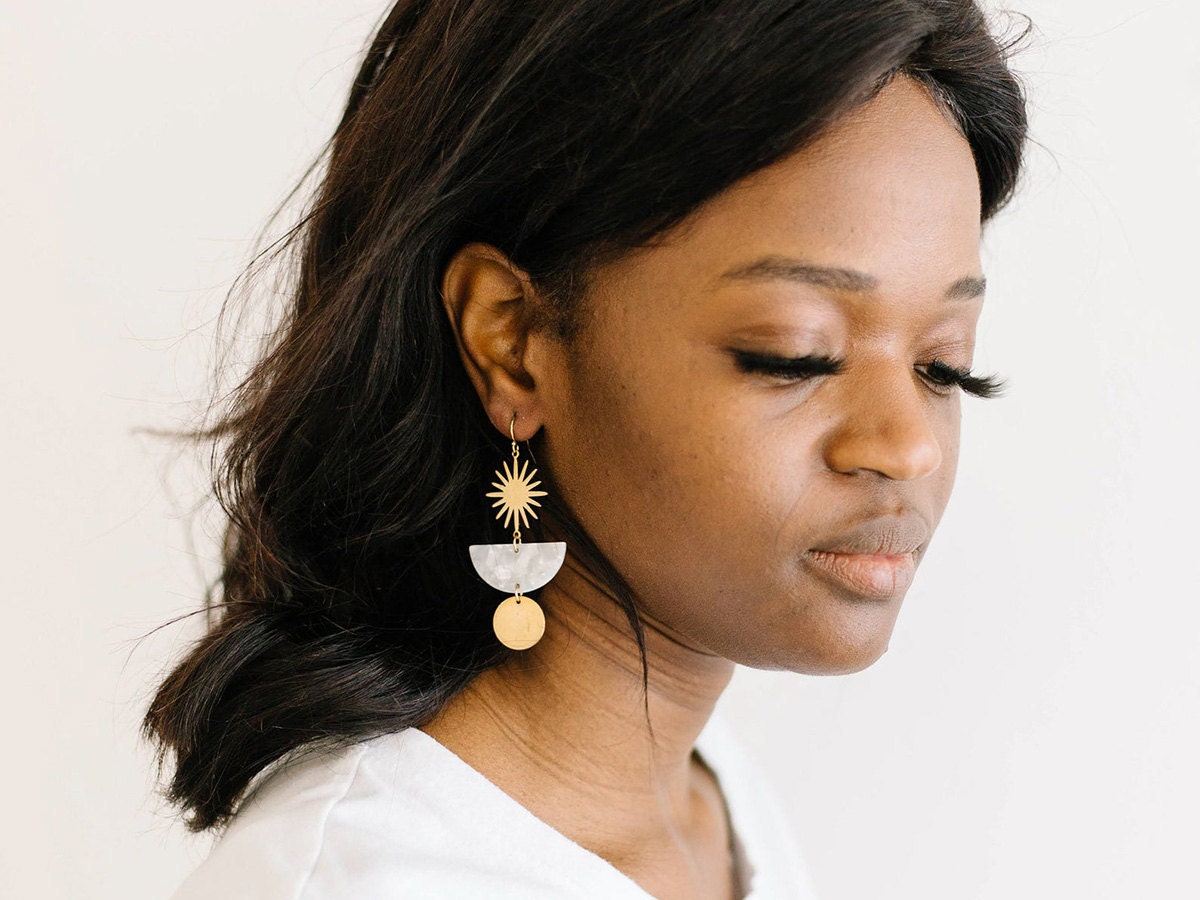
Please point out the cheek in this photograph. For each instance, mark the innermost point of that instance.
(649, 463)
(688, 489)
(942, 481)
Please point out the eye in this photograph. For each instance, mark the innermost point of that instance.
(944, 376)
(788, 368)
(949, 377)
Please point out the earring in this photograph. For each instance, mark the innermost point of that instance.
(518, 621)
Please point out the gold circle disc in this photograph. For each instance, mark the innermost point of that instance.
(519, 622)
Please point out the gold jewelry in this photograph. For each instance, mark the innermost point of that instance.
(518, 621)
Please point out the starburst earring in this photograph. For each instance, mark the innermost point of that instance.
(518, 621)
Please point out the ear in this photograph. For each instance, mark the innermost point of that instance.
(489, 301)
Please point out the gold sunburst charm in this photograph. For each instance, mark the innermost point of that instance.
(516, 494)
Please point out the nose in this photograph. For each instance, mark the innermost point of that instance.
(889, 425)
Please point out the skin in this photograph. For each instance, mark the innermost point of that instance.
(705, 484)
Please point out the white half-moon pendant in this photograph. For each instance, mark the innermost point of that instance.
(519, 622)
(526, 570)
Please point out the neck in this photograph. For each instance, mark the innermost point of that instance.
(562, 726)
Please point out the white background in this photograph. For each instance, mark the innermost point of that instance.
(1032, 731)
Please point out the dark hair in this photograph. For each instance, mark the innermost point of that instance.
(353, 460)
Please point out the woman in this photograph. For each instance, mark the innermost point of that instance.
(677, 299)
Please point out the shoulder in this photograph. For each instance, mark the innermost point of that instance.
(272, 845)
(395, 816)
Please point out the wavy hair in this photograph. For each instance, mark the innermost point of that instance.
(351, 462)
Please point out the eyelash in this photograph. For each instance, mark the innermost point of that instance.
(805, 367)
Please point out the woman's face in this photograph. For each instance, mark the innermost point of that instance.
(710, 486)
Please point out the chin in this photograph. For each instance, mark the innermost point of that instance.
(846, 660)
(834, 650)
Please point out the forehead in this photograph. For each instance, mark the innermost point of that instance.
(891, 189)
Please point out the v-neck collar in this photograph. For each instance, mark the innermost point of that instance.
(708, 747)
(743, 871)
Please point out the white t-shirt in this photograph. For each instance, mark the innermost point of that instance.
(402, 816)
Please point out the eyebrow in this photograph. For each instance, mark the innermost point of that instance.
(786, 268)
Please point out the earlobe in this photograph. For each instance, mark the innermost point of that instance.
(486, 298)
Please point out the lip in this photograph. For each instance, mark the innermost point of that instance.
(885, 536)
(871, 575)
